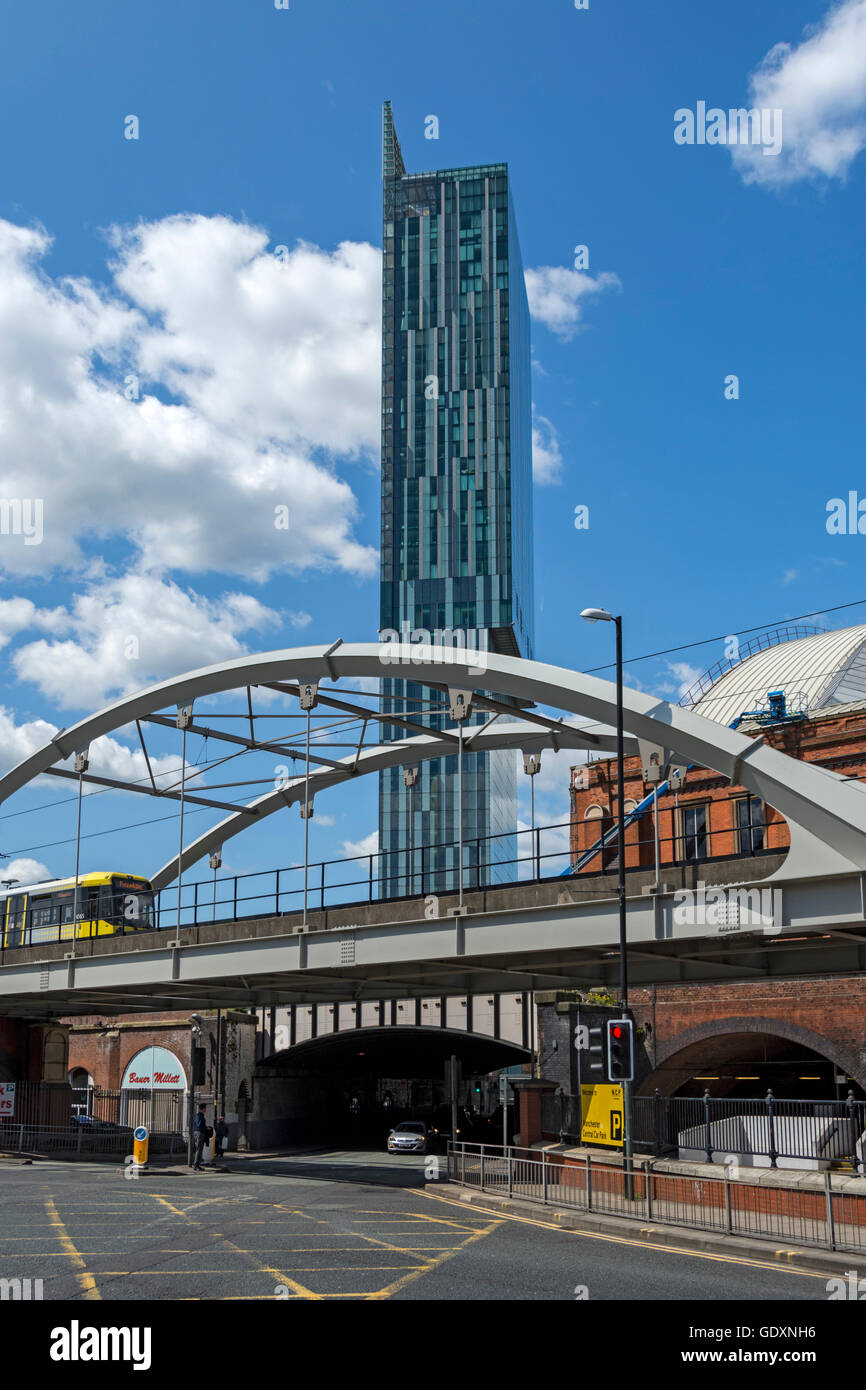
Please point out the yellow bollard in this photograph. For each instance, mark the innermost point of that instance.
(140, 1146)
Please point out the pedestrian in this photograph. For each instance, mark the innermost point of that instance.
(222, 1136)
(199, 1129)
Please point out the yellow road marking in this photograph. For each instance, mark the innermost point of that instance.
(638, 1244)
(300, 1269)
(85, 1280)
(275, 1274)
(425, 1269)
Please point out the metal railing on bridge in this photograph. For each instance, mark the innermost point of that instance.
(536, 855)
(532, 855)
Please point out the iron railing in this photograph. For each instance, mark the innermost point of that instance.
(792, 633)
(825, 1216)
(77, 1140)
(754, 1132)
(92, 1120)
(357, 880)
(538, 855)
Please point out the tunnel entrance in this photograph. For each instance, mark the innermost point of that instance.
(744, 1065)
(349, 1089)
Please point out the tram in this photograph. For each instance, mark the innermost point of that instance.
(108, 904)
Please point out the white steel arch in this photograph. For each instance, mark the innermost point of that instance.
(383, 755)
(826, 813)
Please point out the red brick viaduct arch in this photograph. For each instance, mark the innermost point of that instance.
(675, 1060)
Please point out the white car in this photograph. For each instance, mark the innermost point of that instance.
(410, 1137)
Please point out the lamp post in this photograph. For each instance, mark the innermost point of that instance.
(195, 1033)
(601, 615)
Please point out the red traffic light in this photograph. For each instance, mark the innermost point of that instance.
(617, 1032)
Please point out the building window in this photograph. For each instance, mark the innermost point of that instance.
(694, 832)
(750, 824)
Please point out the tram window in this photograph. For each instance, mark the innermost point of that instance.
(133, 903)
(107, 911)
(15, 920)
(44, 913)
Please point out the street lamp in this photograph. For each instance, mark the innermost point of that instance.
(195, 1032)
(601, 615)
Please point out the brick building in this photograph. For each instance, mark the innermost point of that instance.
(805, 695)
(145, 1055)
(706, 818)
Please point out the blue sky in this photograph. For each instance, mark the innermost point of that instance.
(148, 266)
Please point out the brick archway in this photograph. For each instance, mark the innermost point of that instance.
(667, 1077)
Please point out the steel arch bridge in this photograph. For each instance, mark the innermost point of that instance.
(826, 813)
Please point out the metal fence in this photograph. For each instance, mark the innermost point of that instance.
(58, 1119)
(531, 855)
(825, 1216)
(527, 855)
(760, 1131)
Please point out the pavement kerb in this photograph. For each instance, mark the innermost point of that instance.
(685, 1237)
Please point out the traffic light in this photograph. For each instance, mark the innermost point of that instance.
(199, 1066)
(595, 1052)
(620, 1049)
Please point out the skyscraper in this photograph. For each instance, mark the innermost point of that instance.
(456, 483)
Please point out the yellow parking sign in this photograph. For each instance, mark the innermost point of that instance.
(601, 1115)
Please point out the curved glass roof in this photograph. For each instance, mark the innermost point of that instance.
(814, 672)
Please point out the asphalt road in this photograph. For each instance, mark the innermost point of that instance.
(333, 1225)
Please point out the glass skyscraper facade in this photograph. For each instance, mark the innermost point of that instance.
(456, 552)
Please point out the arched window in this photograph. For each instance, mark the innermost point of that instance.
(154, 1069)
(152, 1091)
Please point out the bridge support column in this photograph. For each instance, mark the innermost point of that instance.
(529, 1096)
(34, 1051)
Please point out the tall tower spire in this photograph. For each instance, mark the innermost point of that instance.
(456, 552)
(392, 156)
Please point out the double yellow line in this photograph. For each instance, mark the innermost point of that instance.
(85, 1279)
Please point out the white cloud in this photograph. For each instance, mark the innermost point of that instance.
(25, 871)
(356, 848)
(820, 88)
(16, 614)
(272, 366)
(556, 294)
(108, 756)
(546, 453)
(124, 633)
(18, 741)
(684, 676)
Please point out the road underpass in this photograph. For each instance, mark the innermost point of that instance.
(350, 1088)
